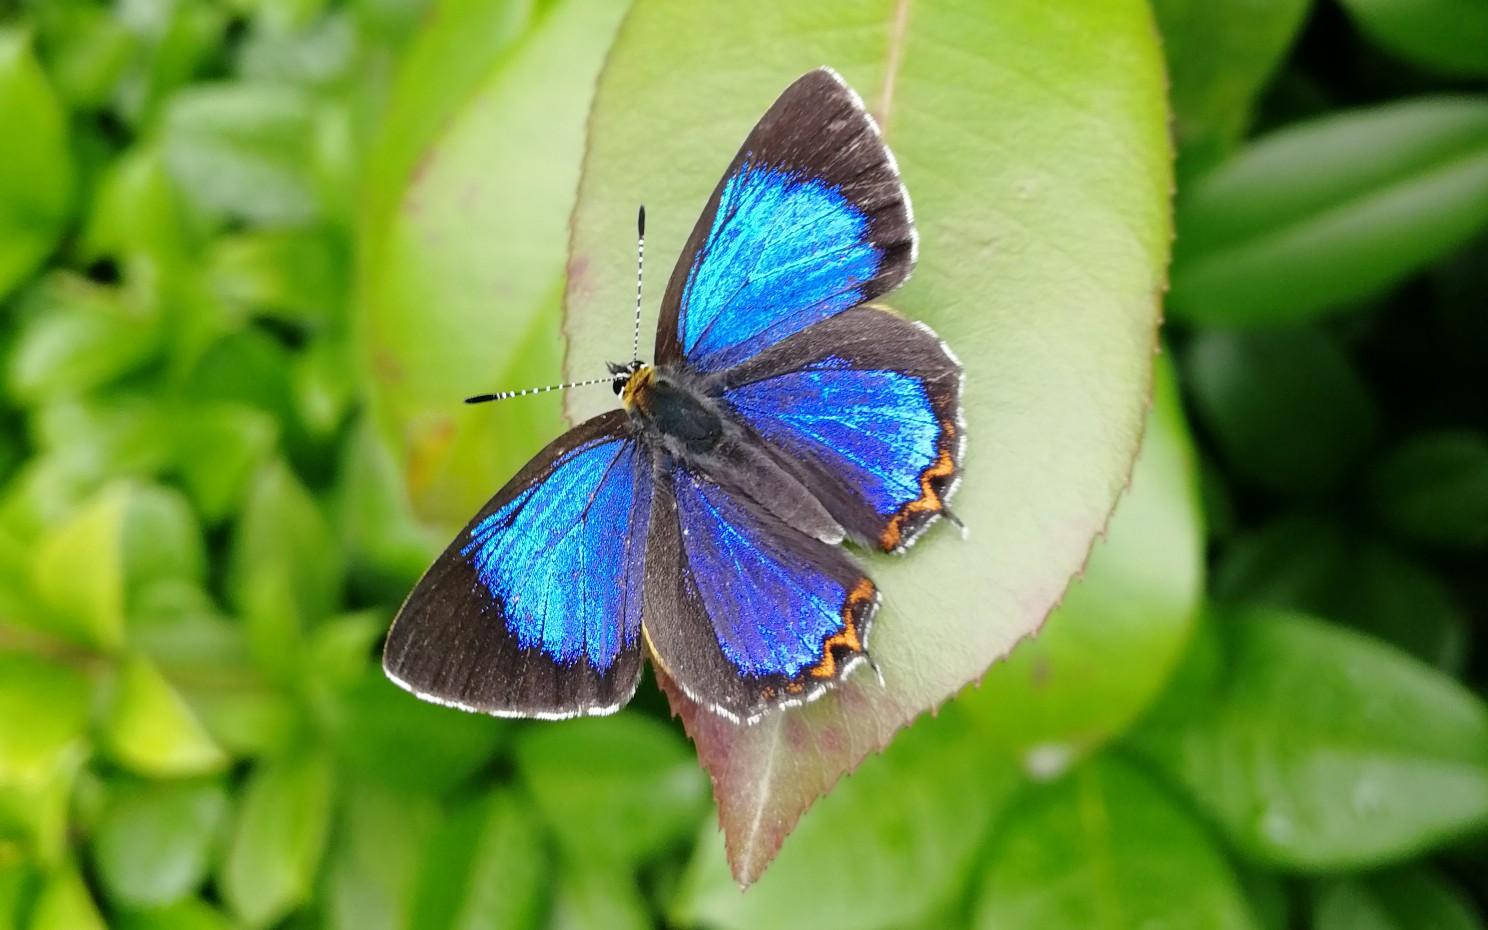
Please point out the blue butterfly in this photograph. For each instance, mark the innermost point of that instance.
(784, 414)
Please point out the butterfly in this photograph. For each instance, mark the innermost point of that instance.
(703, 521)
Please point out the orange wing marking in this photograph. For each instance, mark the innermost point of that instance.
(847, 637)
(928, 500)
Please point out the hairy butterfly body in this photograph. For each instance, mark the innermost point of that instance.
(704, 521)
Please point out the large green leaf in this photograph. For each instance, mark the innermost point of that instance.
(273, 855)
(486, 867)
(1311, 750)
(1110, 647)
(1219, 55)
(1449, 36)
(894, 843)
(1105, 848)
(36, 183)
(154, 843)
(1033, 141)
(1398, 900)
(1326, 212)
(462, 243)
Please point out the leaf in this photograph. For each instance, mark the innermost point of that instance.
(87, 607)
(889, 846)
(1220, 55)
(274, 852)
(1041, 263)
(36, 186)
(1121, 628)
(219, 448)
(245, 151)
(409, 745)
(191, 914)
(284, 570)
(1105, 848)
(155, 842)
(1287, 408)
(485, 868)
(373, 860)
(64, 904)
(464, 240)
(620, 790)
(149, 729)
(1310, 751)
(43, 719)
(1329, 569)
(1434, 488)
(1446, 36)
(76, 336)
(1324, 213)
(1398, 900)
(595, 898)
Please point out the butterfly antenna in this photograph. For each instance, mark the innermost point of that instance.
(635, 347)
(506, 395)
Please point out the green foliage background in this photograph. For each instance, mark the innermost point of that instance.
(1261, 707)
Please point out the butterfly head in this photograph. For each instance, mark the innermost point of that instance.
(626, 380)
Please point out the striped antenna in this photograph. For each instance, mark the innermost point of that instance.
(635, 346)
(507, 395)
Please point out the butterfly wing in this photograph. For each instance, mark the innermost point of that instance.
(864, 409)
(744, 612)
(809, 220)
(534, 609)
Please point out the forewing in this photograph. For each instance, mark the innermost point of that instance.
(746, 613)
(809, 220)
(534, 610)
(865, 410)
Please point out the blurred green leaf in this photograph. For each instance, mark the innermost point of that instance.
(886, 847)
(64, 904)
(219, 448)
(1220, 55)
(297, 275)
(1398, 900)
(1434, 488)
(177, 38)
(1108, 649)
(86, 50)
(17, 886)
(149, 728)
(278, 837)
(245, 151)
(379, 839)
(485, 867)
(1311, 753)
(393, 739)
(283, 558)
(620, 789)
(1287, 408)
(44, 711)
(1103, 847)
(387, 547)
(137, 216)
(119, 433)
(162, 542)
(1329, 569)
(246, 367)
(155, 843)
(1033, 140)
(36, 186)
(598, 898)
(191, 914)
(314, 53)
(1327, 212)
(1447, 36)
(76, 336)
(87, 605)
(462, 270)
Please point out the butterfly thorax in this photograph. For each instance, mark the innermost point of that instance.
(672, 409)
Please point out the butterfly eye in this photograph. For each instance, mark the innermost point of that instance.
(619, 385)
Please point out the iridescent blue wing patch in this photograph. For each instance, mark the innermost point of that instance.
(809, 220)
(864, 409)
(535, 609)
(744, 612)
